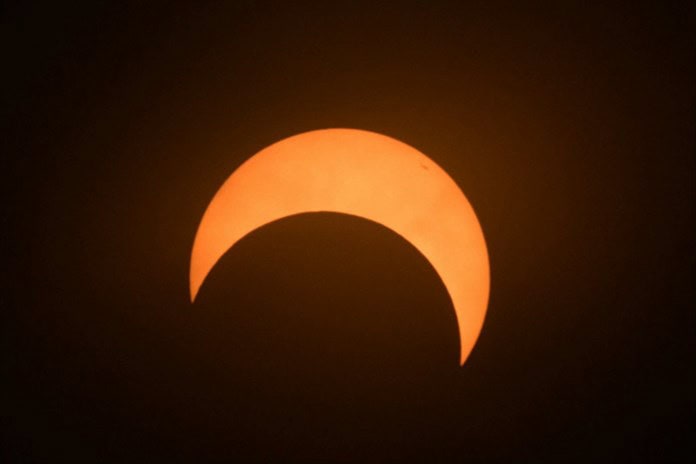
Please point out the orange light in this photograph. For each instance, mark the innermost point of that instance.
(367, 175)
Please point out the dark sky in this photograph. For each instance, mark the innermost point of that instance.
(324, 337)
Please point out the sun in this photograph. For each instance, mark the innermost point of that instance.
(364, 174)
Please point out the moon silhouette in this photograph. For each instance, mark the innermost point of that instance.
(364, 174)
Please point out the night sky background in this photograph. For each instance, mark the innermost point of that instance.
(324, 337)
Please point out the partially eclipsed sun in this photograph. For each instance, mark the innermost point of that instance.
(363, 174)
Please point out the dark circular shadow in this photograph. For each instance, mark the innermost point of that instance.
(321, 336)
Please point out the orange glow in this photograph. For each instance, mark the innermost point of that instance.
(367, 175)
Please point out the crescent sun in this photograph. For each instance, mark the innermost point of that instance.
(364, 174)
